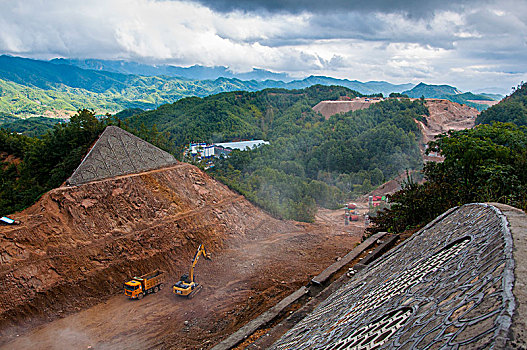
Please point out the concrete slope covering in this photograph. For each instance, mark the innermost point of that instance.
(449, 286)
(116, 153)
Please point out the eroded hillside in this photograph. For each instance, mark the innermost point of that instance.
(95, 235)
(446, 115)
(329, 108)
(77, 245)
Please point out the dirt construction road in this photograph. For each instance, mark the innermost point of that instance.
(248, 277)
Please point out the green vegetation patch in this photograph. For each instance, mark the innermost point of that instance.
(310, 161)
(31, 166)
(512, 109)
(483, 164)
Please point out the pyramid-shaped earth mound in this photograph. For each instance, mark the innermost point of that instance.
(117, 153)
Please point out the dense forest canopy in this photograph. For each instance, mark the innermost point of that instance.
(34, 126)
(512, 109)
(310, 161)
(329, 162)
(268, 114)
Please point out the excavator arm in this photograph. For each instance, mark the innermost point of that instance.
(186, 285)
(201, 250)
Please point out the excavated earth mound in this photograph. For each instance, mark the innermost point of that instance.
(457, 283)
(329, 108)
(79, 244)
(446, 115)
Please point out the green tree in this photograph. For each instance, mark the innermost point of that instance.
(511, 109)
(486, 163)
(45, 163)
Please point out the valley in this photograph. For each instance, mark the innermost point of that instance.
(263, 175)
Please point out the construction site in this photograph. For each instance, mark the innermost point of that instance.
(115, 258)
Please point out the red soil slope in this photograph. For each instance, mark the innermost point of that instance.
(329, 108)
(446, 115)
(77, 245)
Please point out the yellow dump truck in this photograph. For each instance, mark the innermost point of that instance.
(138, 287)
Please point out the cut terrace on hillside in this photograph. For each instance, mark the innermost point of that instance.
(329, 108)
(78, 244)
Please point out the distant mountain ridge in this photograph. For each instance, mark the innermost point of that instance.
(195, 72)
(33, 87)
(265, 78)
(431, 91)
(447, 92)
(44, 75)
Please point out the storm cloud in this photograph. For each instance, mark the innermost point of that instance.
(469, 44)
(412, 8)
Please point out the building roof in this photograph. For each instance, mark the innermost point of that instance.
(242, 145)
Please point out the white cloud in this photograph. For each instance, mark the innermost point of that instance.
(439, 47)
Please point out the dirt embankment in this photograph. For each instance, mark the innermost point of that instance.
(329, 108)
(446, 115)
(79, 244)
(62, 270)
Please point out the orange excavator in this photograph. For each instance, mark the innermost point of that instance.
(186, 286)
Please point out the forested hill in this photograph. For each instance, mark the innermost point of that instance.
(31, 87)
(43, 75)
(511, 109)
(269, 113)
(310, 161)
(447, 92)
(431, 91)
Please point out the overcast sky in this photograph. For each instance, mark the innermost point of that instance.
(466, 43)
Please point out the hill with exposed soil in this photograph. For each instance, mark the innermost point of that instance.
(78, 244)
(444, 116)
(329, 108)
